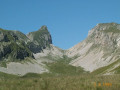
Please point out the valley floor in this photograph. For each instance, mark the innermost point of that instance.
(76, 82)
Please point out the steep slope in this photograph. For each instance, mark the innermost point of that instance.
(42, 47)
(101, 48)
(16, 45)
(13, 45)
(39, 39)
(50, 54)
(17, 49)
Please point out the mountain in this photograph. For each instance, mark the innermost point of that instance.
(13, 45)
(99, 53)
(21, 54)
(16, 45)
(17, 50)
(101, 48)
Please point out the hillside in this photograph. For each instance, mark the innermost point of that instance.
(17, 51)
(99, 49)
(99, 53)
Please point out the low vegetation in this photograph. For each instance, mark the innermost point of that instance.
(112, 29)
(3, 64)
(77, 82)
(62, 68)
(103, 70)
(7, 76)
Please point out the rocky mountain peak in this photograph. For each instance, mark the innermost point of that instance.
(40, 39)
(105, 34)
(44, 27)
(107, 27)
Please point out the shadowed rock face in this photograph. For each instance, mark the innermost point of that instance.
(39, 39)
(3, 37)
(16, 45)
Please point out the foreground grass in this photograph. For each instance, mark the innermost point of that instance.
(76, 82)
(7, 76)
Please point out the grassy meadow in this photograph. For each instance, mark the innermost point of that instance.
(44, 81)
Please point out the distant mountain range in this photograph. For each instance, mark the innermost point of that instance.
(99, 53)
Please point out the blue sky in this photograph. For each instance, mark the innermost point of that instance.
(68, 21)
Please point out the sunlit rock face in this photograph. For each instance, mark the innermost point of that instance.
(100, 48)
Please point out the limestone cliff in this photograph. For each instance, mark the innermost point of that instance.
(99, 49)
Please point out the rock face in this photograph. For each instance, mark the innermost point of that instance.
(15, 45)
(101, 48)
(39, 40)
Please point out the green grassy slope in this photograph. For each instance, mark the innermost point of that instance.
(62, 67)
(103, 70)
(7, 76)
